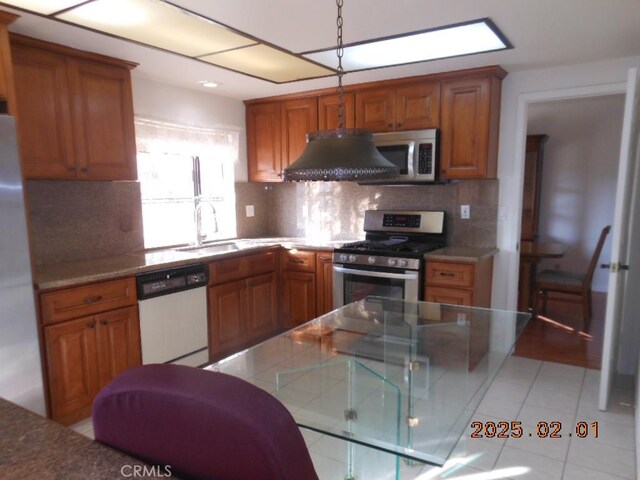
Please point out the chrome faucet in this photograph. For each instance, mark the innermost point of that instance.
(200, 237)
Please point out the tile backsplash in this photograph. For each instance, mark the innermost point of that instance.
(335, 210)
(76, 220)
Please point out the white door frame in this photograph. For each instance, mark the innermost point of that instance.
(524, 100)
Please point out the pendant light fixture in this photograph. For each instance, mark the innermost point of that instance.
(344, 153)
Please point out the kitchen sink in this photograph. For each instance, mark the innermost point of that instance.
(210, 249)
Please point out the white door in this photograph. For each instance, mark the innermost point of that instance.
(623, 301)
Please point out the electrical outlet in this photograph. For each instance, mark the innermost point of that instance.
(250, 210)
(465, 212)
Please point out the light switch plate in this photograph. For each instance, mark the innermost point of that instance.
(250, 210)
(465, 212)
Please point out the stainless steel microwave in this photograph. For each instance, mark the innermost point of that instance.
(415, 153)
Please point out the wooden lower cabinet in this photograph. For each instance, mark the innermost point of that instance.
(298, 298)
(227, 317)
(459, 283)
(324, 283)
(262, 306)
(243, 302)
(84, 354)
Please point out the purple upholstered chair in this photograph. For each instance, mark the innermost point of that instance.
(205, 425)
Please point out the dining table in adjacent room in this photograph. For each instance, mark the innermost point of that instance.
(531, 253)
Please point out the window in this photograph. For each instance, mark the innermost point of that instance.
(169, 157)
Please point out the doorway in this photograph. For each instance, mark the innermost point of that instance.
(577, 199)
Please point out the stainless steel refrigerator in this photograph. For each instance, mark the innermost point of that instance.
(20, 366)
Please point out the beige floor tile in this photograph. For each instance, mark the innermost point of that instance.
(527, 466)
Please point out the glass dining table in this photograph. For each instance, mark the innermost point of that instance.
(385, 374)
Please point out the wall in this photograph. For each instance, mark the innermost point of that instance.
(519, 89)
(335, 210)
(73, 220)
(579, 177)
(161, 101)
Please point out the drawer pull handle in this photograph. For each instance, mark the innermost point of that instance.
(295, 260)
(447, 274)
(94, 299)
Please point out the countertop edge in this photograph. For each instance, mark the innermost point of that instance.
(462, 254)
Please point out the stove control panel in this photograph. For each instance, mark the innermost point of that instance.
(401, 221)
(377, 260)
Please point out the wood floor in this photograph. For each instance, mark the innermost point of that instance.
(558, 335)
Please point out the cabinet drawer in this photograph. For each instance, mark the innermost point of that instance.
(262, 263)
(95, 298)
(452, 296)
(237, 268)
(227, 270)
(450, 274)
(299, 261)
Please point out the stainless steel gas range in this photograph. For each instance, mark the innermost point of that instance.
(389, 262)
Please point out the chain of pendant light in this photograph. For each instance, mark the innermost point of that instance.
(340, 70)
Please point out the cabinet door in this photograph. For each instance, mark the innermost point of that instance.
(261, 306)
(102, 107)
(375, 109)
(324, 283)
(328, 111)
(418, 106)
(298, 298)
(44, 117)
(227, 317)
(465, 128)
(118, 342)
(263, 142)
(299, 117)
(72, 366)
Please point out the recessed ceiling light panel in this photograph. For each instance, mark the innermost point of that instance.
(269, 63)
(158, 24)
(452, 41)
(45, 7)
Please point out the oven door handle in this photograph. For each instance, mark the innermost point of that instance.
(369, 273)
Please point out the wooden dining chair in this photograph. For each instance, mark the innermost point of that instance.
(570, 284)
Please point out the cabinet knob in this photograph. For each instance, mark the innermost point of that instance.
(71, 168)
(104, 322)
(84, 169)
(399, 125)
(390, 125)
(91, 325)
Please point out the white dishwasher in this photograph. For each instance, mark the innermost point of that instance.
(173, 316)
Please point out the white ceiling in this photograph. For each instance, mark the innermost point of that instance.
(544, 33)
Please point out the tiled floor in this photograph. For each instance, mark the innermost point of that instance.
(525, 390)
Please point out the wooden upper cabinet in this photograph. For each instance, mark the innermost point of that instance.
(44, 119)
(74, 113)
(413, 106)
(299, 117)
(376, 109)
(263, 142)
(328, 111)
(7, 87)
(418, 106)
(103, 121)
(470, 121)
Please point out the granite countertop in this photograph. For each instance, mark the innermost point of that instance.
(34, 447)
(67, 274)
(461, 254)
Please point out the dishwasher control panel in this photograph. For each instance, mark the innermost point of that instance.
(164, 282)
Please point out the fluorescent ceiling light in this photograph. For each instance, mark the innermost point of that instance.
(160, 24)
(463, 39)
(45, 7)
(269, 63)
(157, 24)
